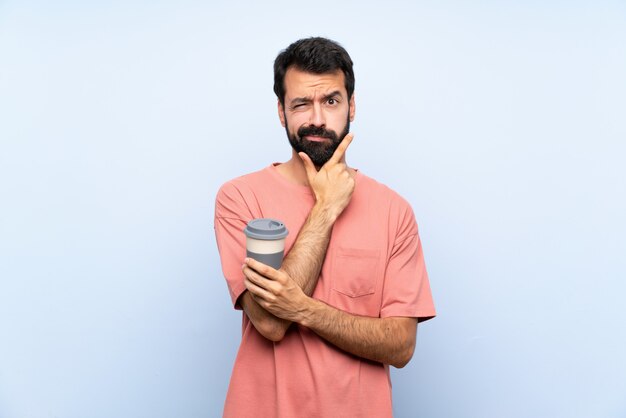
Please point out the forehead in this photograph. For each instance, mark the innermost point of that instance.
(303, 84)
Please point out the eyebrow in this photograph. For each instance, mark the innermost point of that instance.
(308, 99)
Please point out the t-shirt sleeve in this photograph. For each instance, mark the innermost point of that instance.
(231, 216)
(407, 289)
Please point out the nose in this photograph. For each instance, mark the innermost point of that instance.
(317, 115)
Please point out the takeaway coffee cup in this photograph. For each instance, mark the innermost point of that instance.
(265, 241)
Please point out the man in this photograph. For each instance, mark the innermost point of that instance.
(320, 333)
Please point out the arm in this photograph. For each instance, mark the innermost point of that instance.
(303, 263)
(386, 340)
(406, 300)
(333, 187)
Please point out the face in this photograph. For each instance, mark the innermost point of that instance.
(317, 113)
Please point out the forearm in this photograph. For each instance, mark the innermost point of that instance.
(271, 327)
(386, 340)
(303, 263)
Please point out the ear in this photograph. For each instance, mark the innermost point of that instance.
(352, 108)
(281, 114)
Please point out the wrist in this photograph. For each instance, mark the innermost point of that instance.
(308, 312)
(326, 214)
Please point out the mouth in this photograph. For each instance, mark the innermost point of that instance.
(315, 138)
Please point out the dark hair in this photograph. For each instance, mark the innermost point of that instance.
(314, 55)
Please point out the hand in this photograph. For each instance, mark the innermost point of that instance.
(274, 290)
(332, 184)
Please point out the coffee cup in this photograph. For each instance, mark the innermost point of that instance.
(265, 241)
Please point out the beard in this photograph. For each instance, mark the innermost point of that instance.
(318, 152)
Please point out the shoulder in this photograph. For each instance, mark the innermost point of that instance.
(399, 210)
(244, 184)
(383, 192)
(234, 195)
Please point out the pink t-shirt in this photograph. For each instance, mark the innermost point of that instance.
(374, 267)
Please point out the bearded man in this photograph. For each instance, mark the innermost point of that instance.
(320, 332)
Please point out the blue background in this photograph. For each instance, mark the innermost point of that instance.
(502, 123)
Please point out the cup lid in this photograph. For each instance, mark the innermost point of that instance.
(266, 228)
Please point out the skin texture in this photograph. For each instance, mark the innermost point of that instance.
(276, 298)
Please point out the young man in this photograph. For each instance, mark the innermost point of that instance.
(320, 333)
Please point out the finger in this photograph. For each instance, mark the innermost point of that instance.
(262, 269)
(256, 278)
(341, 149)
(270, 287)
(258, 293)
(308, 166)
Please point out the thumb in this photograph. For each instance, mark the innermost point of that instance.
(308, 166)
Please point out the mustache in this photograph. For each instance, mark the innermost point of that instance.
(316, 131)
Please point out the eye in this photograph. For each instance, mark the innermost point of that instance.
(332, 101)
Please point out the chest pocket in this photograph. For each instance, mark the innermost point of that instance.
(355, 271)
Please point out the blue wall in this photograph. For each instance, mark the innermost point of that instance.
(503, 124)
